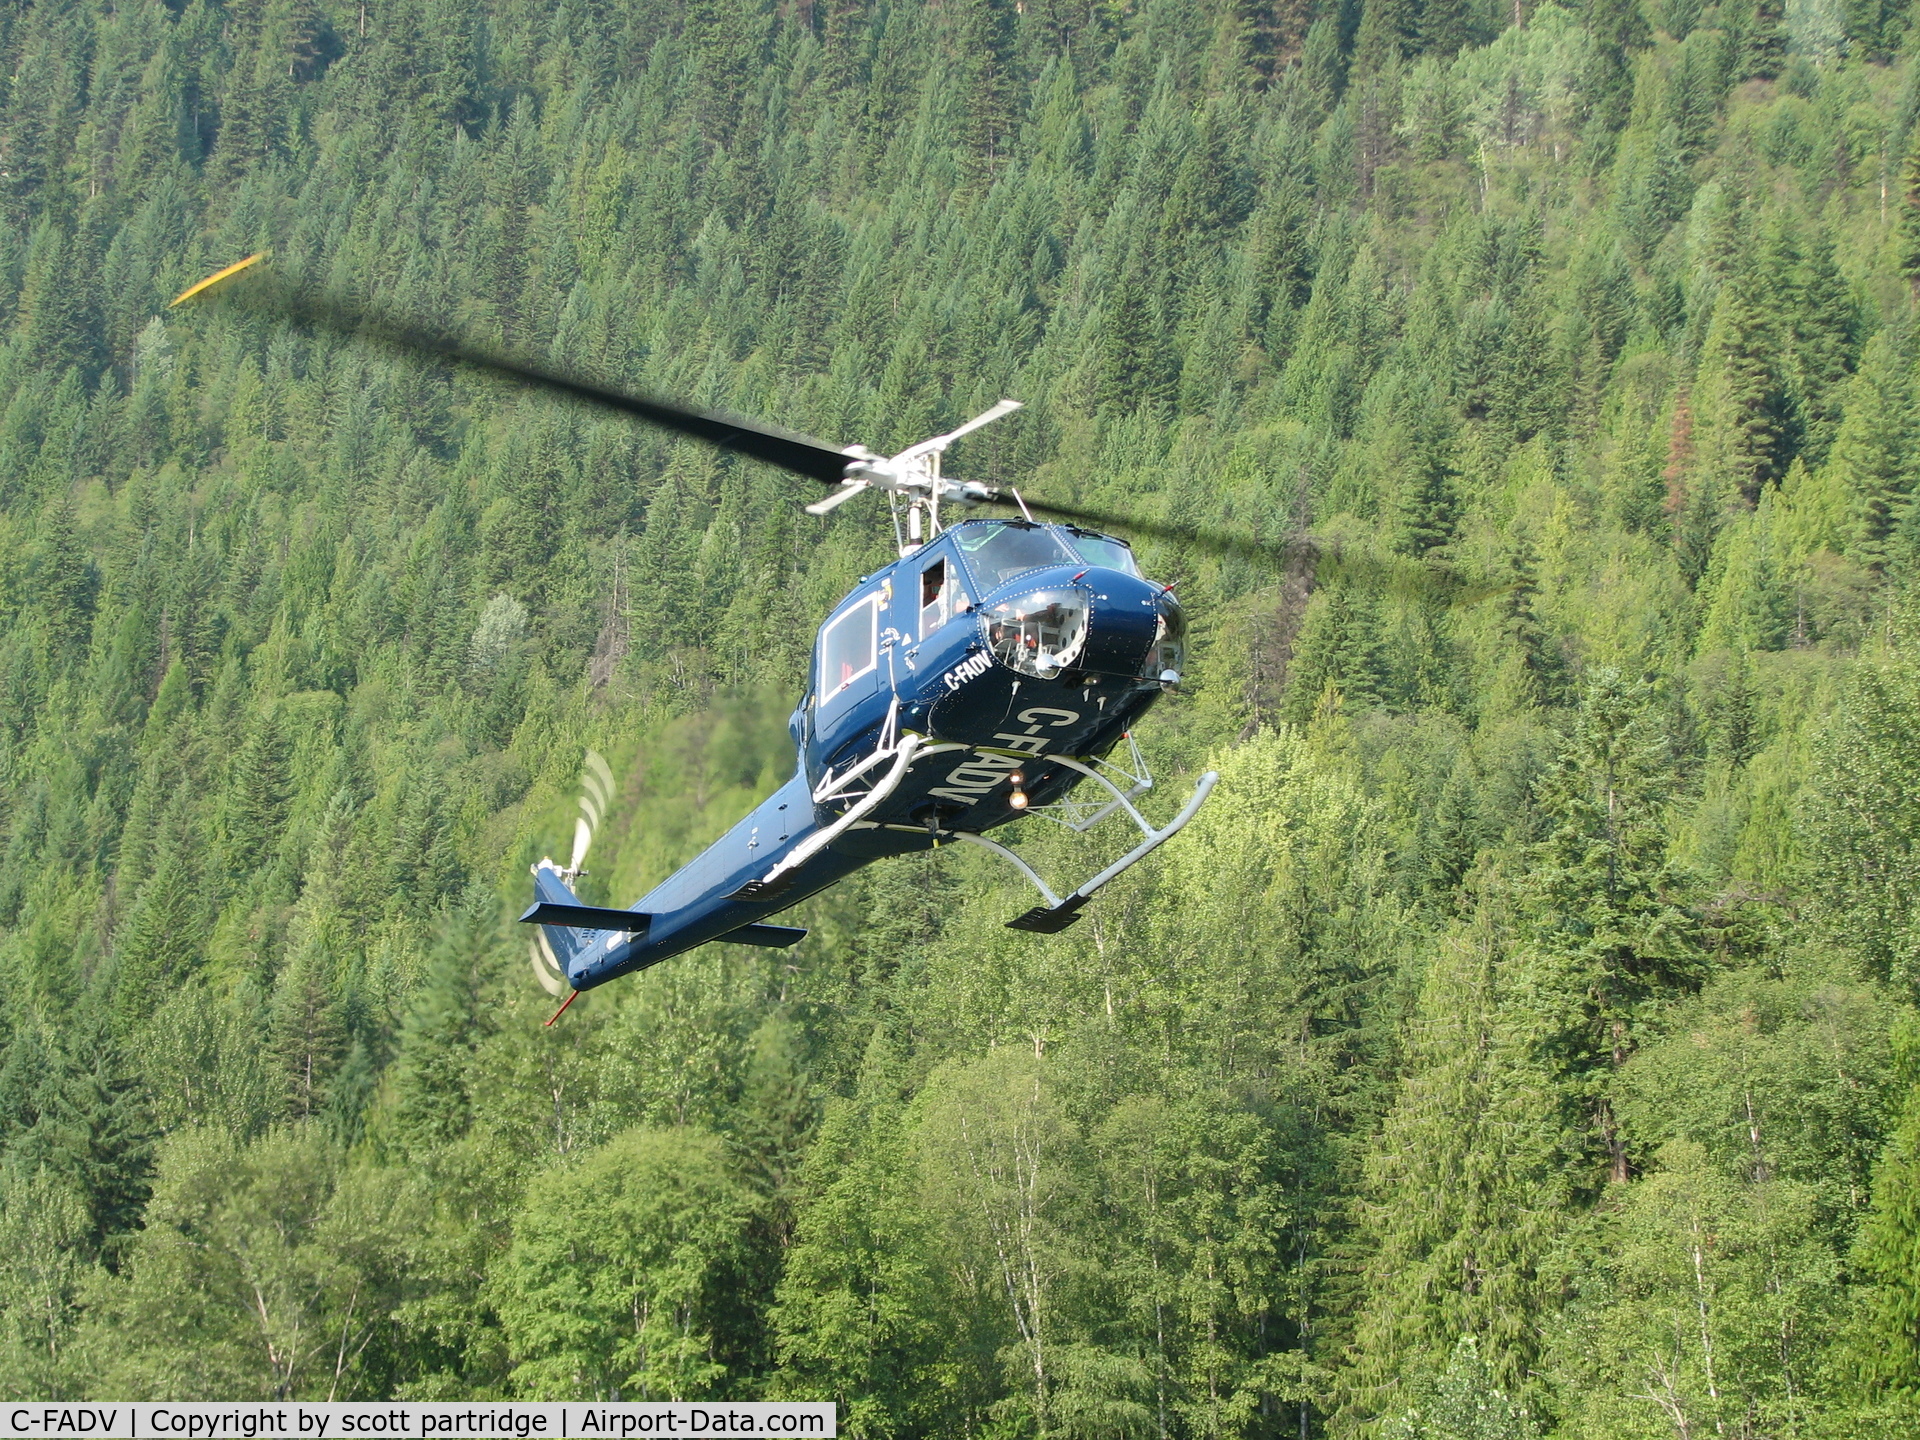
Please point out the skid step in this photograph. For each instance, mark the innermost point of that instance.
(1050, 920)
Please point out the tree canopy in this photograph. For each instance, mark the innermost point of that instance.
(1520, 1043)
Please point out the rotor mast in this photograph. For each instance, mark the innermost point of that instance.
(913, 476)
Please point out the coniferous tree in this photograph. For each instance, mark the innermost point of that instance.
(1759, 28)
(1752, 431)
(1540, 671)
(158, 946)
(1907, 223)
(1618, 30)
(1428, 503)
(1608, 940)
(255, 800)
(1859, 817)
(1886, 1344)
(1472, 1143)
(432, 1102)
(63, 584)
(1340, 650)
(309, 1031)
(1385, 27)
(1873, 451)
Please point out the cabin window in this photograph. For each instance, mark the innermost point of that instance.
(933, 598)
(1105, 550)
(997, 553)
(847, 648)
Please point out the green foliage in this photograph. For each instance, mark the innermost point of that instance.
(1503, 1051)
(1607, 938)
(265, 1271)
(1714, 1290)
(1887, 1254)
(616, 1270)
(43, 1229)
(1472, 1130)
(856, 1308)
(1463, 1403)
(1860, 817)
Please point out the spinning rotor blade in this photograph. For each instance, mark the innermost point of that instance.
(798, 453)
(243, 284)
(544, 970)
(1304, 553)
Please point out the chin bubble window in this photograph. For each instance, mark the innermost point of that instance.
(1039, 634)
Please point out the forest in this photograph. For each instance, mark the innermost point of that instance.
(1523, 1041)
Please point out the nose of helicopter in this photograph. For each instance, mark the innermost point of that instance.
(1085, 618)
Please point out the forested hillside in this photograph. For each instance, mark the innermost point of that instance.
(1522, 1043)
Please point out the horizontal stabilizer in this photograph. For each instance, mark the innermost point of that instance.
(584, 917)
(773, 937)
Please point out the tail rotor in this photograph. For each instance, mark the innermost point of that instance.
(596, 790)
(596, 793)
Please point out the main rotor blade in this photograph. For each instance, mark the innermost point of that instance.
(800, 454)
(1304, 553)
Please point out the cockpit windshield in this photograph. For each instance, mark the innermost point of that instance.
(998, 552)
(1104, 550)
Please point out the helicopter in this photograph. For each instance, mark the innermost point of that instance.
(994, 670)
(984, 675)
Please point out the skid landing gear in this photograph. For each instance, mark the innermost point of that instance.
(1058, 913)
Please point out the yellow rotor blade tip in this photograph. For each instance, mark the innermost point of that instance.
(217, 276)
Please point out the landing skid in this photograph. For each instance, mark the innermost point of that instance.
(1057, 914)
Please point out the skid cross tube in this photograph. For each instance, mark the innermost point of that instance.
(1057, 914)
(1140, 780)
(1206, 784)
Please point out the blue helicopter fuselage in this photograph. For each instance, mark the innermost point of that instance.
(945, 691)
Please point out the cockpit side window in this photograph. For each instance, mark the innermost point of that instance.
(997, 553)
(847, 648)
(934, 598)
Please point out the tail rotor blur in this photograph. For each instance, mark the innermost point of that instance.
(596, 793)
